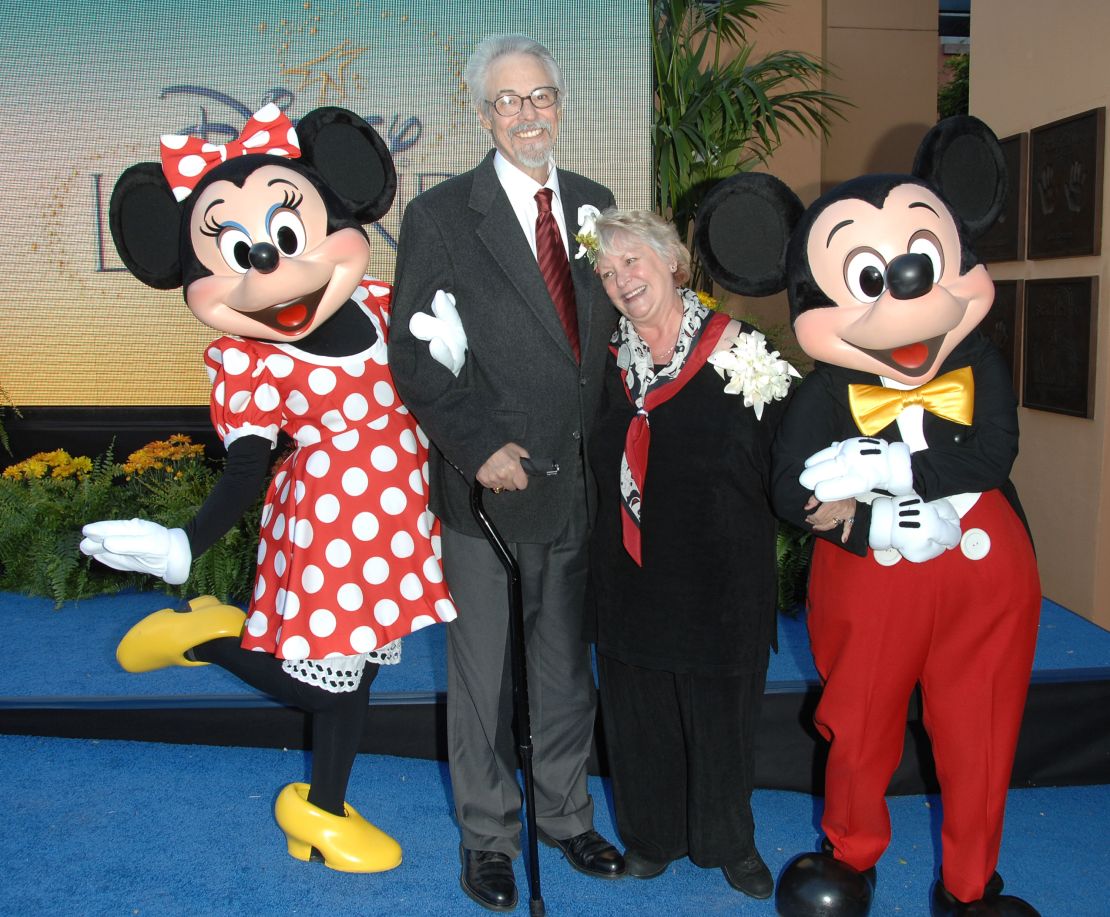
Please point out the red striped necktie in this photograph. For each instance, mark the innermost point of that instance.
(555, 267)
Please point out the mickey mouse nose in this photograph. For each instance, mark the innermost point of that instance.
(909, 276)
(263, 257)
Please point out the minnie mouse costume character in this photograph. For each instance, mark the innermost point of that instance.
(896, 452)
(265, 237)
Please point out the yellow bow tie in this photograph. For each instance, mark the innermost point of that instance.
(951, 396)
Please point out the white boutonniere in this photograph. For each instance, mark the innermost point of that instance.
(754, 371)
(586, 237)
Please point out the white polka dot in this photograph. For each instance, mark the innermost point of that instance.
(422, 621)
(312, 579)
(394, 501)
(408, 441)
(424, 472)
(259, 368)
(279, 527)
(375, 571)
(266, 397)
(256, 624)
(279, 563)
(379, 423)
(424, 523)
(437, 547)
(308, 435)
(433, 573)
(267, 513)
(384, 394)
(383, 458)
(302, 533)
(292, 606)
(321, 622)
(445, 608)
(355, 481)
(215, 354)
(298, 492)
(261, 553)
(279, 364)
(236, 362)
(262, 138)
(378, 290)
(345, 442)
(411, 587)
(295, 648)
(327, 508)
(364, 640)
(260, 587)
(416, 482)
(349, 597)
(191, 165)
(238, 402)
(354, 370)
(338, 553)
(321, 380)
(365, 526)
(283, 497)
(355, 406)
(296, 403)
(422, 436)
(279, 479)
(402, 545)
(218, 392)
(386, 612)
(334, 421)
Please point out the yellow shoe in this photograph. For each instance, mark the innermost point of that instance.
(348, 844)
(160, 639)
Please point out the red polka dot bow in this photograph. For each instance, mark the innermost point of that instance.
(185, 159)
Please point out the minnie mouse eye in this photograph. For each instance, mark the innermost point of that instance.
(288, 232)
(864, 272)
(235, 246)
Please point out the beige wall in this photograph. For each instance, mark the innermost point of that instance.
(1026, 71)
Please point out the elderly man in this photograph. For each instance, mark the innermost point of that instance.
(498, 344)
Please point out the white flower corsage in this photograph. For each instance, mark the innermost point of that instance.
(586, 237)
(754, 371)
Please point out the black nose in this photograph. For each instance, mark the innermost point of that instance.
(263, 257)
(907, 276)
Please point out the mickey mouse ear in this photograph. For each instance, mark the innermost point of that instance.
(962, 159)
(742, 230)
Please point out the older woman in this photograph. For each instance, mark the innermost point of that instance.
(683, 556)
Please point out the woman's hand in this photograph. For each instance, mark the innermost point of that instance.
(824, 517)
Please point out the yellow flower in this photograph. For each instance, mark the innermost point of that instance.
(58, 464)
(708, 301)
(162, 455)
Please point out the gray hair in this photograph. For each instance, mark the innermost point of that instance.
(490, 48)
(646, 227)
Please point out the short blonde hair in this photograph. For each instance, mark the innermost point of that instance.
(649, 228)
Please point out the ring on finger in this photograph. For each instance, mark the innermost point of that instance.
(498, 490)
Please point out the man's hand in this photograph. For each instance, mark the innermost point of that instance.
(502, 470)
(139, 546)
(858, 466)
(917, 530)
(824, 517)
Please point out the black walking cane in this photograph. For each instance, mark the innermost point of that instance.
(522, 721)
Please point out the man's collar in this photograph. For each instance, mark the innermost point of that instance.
(516, 182)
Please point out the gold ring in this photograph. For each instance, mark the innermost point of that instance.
(498, 490)
(836, 520)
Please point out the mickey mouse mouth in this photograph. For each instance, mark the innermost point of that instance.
(909, 359)
(291, 317)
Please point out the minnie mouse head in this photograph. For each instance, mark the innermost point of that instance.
(879, 271)
(264, 234)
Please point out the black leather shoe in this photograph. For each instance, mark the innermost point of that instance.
(641, 867)
(818, 883)
(992, 904)
(589, 853)
(487, 878)
(750, 876)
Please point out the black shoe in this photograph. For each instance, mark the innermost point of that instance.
(589, 853)
(750, 876)
(641, 867)
(818, 883)
(992, 904)
(487, 878)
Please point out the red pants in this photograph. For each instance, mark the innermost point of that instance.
(965, 630)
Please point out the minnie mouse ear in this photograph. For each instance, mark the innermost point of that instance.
(351, 158)
(145, 221)
(742, 230)
(962, 159)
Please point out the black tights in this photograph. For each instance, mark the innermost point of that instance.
(337, 719)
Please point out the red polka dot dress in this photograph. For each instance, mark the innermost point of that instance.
(349, 553)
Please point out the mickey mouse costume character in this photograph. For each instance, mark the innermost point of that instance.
(896, 452)
(265, 236)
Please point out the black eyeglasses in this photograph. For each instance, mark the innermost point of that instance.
(510, 103)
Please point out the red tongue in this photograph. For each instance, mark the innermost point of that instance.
(910, 356)
(293, 315)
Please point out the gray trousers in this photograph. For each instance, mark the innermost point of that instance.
(480, 744)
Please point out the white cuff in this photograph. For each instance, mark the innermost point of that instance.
(901, 469)
(882, 523)
(179, 557)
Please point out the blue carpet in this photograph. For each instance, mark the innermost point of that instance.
(150, 830)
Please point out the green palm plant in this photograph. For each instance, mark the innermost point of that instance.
(717, 115)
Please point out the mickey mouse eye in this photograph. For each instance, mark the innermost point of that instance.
(864, 270)
(288, 232)
(927, 244)
(235, 247)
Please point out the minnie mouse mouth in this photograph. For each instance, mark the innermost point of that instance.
(293, 316)
(909, 359)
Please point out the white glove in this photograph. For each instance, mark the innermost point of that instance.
(139, 546)
(917, 530)
(444, 333)
(856, 467)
